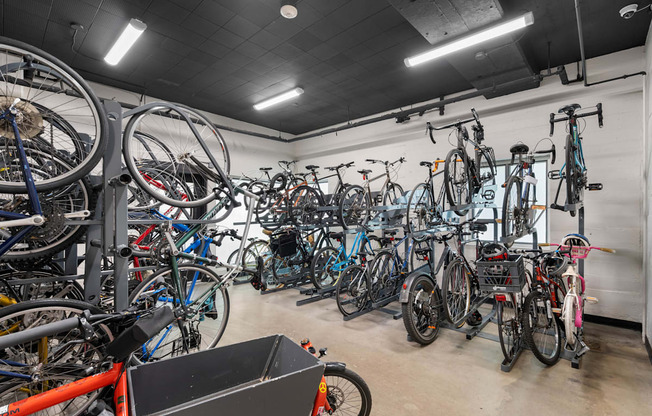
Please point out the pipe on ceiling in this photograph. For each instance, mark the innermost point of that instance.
(585, 76)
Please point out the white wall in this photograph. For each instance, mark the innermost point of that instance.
(647, 104)
(614, 157)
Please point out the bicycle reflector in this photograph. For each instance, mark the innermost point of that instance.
(501, 298)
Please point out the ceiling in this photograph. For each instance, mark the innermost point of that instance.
(223, 56)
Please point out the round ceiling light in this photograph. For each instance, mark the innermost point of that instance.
(289, 11)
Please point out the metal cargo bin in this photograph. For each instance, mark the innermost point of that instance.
(270, 376)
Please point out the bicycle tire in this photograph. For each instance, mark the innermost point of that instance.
(80, 113)
(420, 211)
(568, 316)
(322, 273)
(457, 182)
(421, 254)
(55, 235)
(383, 278)
(535, 311)
(351, 290)
(354, 207)
(512, 212)
(304, 204)
(574, 192)
(68, 354)
(456, 291)
(392, 193)
(190, 135)
(283, 270)
(422, 312)
(255, 249)
(509, 327)
(339, 396)
(212, 315)
(69, 289)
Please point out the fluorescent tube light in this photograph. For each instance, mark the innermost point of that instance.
(129, 35)
(485, 35)
(279, 98)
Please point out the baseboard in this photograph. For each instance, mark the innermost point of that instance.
(648, 347)
(620, 323)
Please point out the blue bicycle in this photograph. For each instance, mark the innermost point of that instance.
(573, 172)
(329, 262)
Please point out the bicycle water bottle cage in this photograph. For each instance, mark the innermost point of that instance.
(594, 187)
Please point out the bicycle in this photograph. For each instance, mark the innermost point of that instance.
(355, 203)
(575, 247)
(53, 131)
(463, 177)
(345, 393)
(329, 262)
(574, 170)
(520, 200)
(423, 210)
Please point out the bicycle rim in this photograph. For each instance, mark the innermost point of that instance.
(351, 290)
(457, 181)
(456, 291)
(421, 313)
(420, 210)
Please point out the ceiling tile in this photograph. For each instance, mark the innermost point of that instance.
(251, 50)
(228, 39)
(304, 41)
(241, 27)
(199, 25)
(284, 29)
(214, 12)
(214, 48)
(260, 13)
(266, 39)
(168, 10)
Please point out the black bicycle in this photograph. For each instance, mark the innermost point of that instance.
(463, 176)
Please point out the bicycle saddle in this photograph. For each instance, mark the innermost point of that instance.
(519, 149)
(335, 236)
(364, 171)
(569, 109)
(265, 169)
(312, 167)
(425, 163)
(478, 227)
(391, 232)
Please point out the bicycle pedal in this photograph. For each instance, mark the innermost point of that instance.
(554, 175)
(557, 206)
(594, 187)
(539, 207)
(592, 299)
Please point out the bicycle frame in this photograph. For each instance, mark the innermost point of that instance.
(360, 241)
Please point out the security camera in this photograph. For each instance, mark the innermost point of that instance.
(628, 11)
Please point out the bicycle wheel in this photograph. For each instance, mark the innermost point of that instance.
(422, 312)
(20, 292)
(257, 248)
(283, 269)
(569, 315)
(304, 205)
(540, 329)
(326, 267)
(354, 207)
(351, 290)
(196, 146)
(574, 175)
(456, 291)
(55, 234)
(52, 361)
(384, 276)
(509, 327)
(512, 215)
(457, 182)
(56, 110)
(420, 211)
(392, 193)
(272, 211)
(255, 187)
(204, 321)
(347, 393)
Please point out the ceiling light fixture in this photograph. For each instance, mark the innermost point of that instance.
(483, 36)
(289, 9)
(127, 38)
(279, 98)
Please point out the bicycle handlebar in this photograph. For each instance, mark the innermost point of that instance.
(457, 124)
(551, 150)
(386, 162)
(597, 112)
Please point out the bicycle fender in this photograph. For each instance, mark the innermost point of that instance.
(336, 365)
(407, 285)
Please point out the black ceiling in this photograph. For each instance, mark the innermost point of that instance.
(223, 56)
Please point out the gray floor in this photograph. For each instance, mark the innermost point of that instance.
(453, 376)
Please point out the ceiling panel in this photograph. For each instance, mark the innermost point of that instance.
(225, 55)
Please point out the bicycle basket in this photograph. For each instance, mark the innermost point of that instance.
(505, 276)
(284, 242)
(575, 251)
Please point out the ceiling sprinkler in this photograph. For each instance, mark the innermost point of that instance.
(628, 11)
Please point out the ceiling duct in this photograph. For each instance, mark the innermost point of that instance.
(502, 60)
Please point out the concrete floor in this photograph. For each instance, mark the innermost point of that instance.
(453, 376)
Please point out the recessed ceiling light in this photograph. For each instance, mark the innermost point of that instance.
(279, 99)
(127, 38)
(289, 9)
(485, 35)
